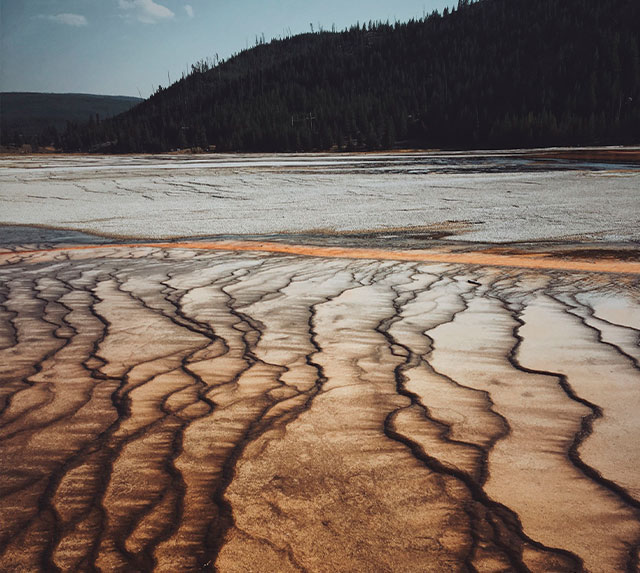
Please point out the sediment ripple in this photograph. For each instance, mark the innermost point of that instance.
(170, 409)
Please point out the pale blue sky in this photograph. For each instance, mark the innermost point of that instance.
(127, 47)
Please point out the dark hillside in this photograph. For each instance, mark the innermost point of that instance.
(495, 73)
(25, 114)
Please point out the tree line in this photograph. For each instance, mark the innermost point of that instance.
(492, 73)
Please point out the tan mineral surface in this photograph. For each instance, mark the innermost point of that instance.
(239, 406)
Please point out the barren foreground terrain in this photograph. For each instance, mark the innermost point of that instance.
(409, 362)
(185, 410)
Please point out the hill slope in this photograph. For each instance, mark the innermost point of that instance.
(491, 73)
(27, 114)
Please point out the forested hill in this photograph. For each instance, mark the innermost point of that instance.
(494, 73)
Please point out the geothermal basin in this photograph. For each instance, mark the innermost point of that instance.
(401, 362)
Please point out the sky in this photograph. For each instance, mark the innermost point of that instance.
(130, 47)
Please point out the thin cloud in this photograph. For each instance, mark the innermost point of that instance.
(145, 11)
(75, 20)
(189, 10)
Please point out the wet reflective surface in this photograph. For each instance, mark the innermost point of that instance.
(178, 410)
(404, 362)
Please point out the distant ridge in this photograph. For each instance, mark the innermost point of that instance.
(27, 114)
(492, 73)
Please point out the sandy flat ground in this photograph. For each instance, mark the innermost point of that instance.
(394, 400)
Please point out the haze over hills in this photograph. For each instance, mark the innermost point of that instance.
(494, 73)
(27, 114)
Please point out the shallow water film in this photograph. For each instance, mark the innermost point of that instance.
(179, 410)
(393, 398)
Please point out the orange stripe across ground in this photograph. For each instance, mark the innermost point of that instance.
(526, 261)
